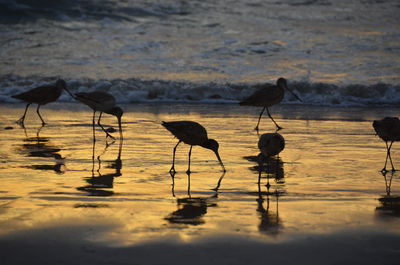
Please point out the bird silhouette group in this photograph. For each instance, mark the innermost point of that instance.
(193, 133)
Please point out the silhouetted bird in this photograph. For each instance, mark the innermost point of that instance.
(266, 96)
(191, 133)
(41, 95)
(102, 102)
(388, 129)
(271, 144)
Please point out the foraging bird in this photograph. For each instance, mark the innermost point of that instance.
(102, 102)
(191, 133)
(388, 129)
(271, 144)
(267, 96)
(41, 96)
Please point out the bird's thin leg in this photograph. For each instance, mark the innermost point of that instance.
(260, 166)
(101, 126)
(259, 118)
(173, 158)
(188, 189)
(172, 173)
(22, 119)
(390, 157)
(93, 126)
(93, 150)
(387, 156)
(37, 110)
(190, 153)
(277, 126)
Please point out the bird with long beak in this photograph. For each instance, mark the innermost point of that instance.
(41, 96)
(102, 102)
(191, 133)
(266, 96)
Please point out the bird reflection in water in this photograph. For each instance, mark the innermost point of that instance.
(270, 222)
(191, 210)
(102, 184)
(40, 147)
(268, 161)
(389, 203)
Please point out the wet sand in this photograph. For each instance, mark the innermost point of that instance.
(66, 202)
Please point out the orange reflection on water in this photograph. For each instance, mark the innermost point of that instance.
(328, 176)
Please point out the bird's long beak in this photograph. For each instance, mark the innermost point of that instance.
(297, 97)
(220, 161)
(120, 128)
(69, 92)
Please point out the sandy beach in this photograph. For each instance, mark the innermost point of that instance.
(66, 200)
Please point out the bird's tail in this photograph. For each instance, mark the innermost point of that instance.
(244, 103)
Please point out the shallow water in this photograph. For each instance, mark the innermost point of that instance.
(326, 180)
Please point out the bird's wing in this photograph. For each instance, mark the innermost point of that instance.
(388, 128)
(97, 99)
(263, 96)
(187, 130)
(37, 94)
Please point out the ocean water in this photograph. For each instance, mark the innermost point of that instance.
(333, 52)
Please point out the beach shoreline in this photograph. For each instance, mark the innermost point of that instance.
(66, 198)
(70, 245)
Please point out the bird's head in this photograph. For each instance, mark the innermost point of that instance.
(213, 145)
(376, 124)
(61, 84)
(282, 83)
(116, 111)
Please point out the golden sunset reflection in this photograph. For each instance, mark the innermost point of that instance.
(328, 179)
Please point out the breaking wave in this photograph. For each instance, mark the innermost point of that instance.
(139, 90)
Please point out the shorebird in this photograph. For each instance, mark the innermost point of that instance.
(102, 102)
(191, 133)
(266, 96)
(41, 96)
(388, 129)
(271, 144)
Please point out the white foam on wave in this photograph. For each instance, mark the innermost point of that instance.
(138, 90)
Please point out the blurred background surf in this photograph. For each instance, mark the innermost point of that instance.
(332, 52)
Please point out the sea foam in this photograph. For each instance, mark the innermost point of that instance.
(139, 90)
